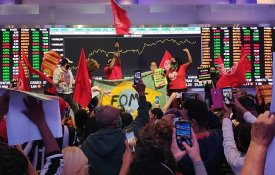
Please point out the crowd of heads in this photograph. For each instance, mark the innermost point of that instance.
(154, 136)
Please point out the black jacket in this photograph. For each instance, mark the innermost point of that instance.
(104, 148)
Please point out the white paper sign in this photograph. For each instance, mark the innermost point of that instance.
(19, 128)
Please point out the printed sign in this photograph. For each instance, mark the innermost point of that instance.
(50, 61)
(159, 77)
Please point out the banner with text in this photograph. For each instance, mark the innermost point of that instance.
(122, 92)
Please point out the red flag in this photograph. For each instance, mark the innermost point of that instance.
(34, 71)
(166, 61)
(22, 80)
(121, 20)
(82, 92)
(236, 75)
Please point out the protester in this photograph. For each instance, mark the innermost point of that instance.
(234, 157)
(126, 119)
(193, 152)
(153, 66)
(113, 68)
(12, 161)
(63, 80)
(153, 151)
(35, 150)
(176, 75)
(54, 158)
(81, 117)
(210, 142)
(75, 162)
(105, 147)
(155, 115)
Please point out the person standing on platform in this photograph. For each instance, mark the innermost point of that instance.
(176, 75)
(63, 80)
(113, 70)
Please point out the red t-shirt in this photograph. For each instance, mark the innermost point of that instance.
(113, 74)
(176, 79)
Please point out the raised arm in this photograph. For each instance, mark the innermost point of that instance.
(143, 114)
(262, 134)
(35, 113)
(172, 97)
(190, 60)
(247, 116)
(116, 57)
(231, 152)
(193, 152)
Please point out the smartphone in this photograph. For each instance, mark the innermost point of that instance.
(187, 95)
(137, 76)
(179, 95)
(227, 95)
(217, 98)
(131, 139)
(183, 133)
(157, 99)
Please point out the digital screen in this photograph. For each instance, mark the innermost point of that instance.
(227, 95)
(183, 132)
(34, 41)
(136, 51)
(258, 42)
(140, 49)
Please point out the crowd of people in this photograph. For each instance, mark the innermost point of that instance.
(231, 140)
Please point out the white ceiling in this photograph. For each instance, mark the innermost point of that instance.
(148, 12)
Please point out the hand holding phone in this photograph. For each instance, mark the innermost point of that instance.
(131, 139)
(157, 99)
(227, 95)
(137, 76)
(183, 133)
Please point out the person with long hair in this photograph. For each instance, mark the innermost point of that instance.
(75, 162)
(177, 73)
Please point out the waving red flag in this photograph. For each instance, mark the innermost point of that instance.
(82, 92)
(121, 20)
(236, 75)
(34, 71)
(166, 61)
(22, 80)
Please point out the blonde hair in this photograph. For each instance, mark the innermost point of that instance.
(75, 162)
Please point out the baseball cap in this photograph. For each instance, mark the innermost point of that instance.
(106, 116)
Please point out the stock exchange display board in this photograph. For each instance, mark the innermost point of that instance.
(258, 42)
(140, 48)
(34, 42)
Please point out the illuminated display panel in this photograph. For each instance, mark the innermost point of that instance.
(34, 41)
(210, 42)
(258, 42)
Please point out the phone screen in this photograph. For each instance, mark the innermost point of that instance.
(227, 95)
(183, 133)
(137, 77)
(131, 139)
(157, 100)
(179, 95)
